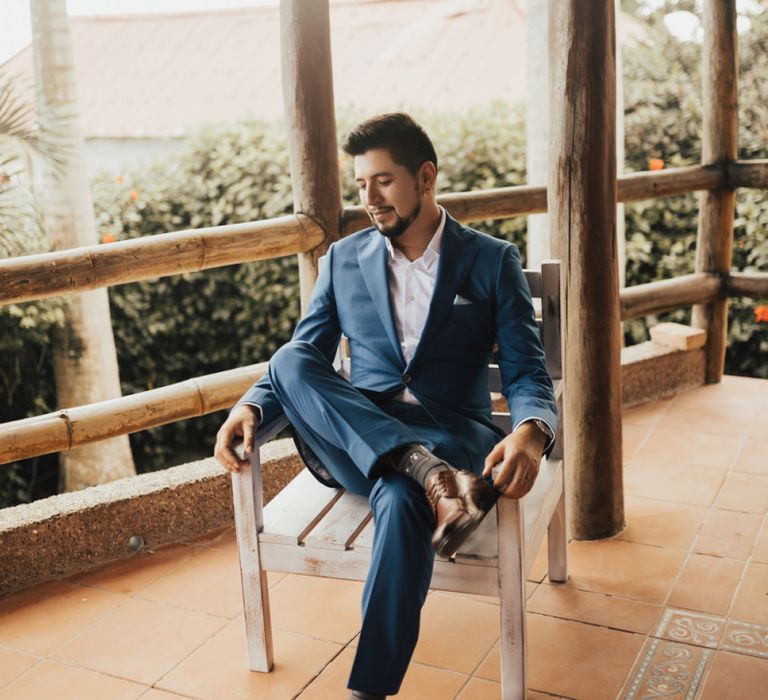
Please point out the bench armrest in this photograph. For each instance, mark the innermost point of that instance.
(263, 434)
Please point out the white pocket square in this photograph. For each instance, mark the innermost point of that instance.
(460, 300)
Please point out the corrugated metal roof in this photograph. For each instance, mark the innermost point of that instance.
(160, 75)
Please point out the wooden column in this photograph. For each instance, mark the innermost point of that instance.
(311, 124)
(582, 207)
(714, 241)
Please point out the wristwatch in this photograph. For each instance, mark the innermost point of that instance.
(541, 425)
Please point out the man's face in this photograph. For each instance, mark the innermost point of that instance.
(389, 193)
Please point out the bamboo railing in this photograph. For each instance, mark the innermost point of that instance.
(68, 271)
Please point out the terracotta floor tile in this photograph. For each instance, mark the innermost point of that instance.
(732, 390)
(479, 689)
(661, 523)
(219, 668)
(490, 667)
(667, 669)
(751, 603)
(759, 429)
(41, 619)
(130, 575)
(726, 533)
(706, 584)
(709, 418)
(744, 492)
(140, 640)
(208, 581)
(745, 638)
(540, 565)
(155, 694)
(632, 437)
(274, 577)
(331, 684)
(669, 481)
(53, 680)
(317, 607)
(577, 660)
(14, 663)
(697, 449)
(455, 634)
(735, 677)
(625, 569)
(689, 627)
(594, 608)
(760, 552)
(753, 457)
(647, 414)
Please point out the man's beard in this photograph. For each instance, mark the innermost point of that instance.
(401, 225)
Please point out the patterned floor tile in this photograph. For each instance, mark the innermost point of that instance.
(746, 638)
(667, 670)
(691, 628)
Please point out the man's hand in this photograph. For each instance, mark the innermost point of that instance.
(242, 422)
(519, 455)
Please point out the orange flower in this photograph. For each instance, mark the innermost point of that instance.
(655, 164)
(119, 179)
(761, 314)
(108, 238)
(134, 195)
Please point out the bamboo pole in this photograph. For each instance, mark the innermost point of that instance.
(81, 425)
(582, 207)
(749, 173)
(714, 241)
(748, 284)
(78, 269)
(311, 122)
(653, 297)
(68, 271)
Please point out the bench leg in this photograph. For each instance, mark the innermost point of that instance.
(248, 500)
(557, 544)
(512, 599)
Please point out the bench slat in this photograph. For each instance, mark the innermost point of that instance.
(297, 509)
(341, 524)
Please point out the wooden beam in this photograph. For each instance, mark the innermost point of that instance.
(653, 297)
(714, 241)
(748, 284)
(749, 173)
(80, 269)
(82, 425)
(663, 183)
(582, 207)
(311, 123)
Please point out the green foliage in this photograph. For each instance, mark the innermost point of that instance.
(177, 327)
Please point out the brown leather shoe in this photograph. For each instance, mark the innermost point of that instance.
(477, 493)
(456, 499)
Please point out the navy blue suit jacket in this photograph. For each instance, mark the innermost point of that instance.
(448, 373)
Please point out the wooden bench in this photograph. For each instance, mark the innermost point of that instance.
(311, 529)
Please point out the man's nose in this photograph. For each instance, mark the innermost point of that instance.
(372, 195)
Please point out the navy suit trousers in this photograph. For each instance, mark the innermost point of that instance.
(349, 433)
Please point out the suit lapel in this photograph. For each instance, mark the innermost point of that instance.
(372, 258)
(458, 251)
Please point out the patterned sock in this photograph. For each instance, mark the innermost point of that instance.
(418, 462)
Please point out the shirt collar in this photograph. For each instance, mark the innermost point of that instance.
(431, 254)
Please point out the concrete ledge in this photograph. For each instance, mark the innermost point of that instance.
(70, 533)
(654, 371)
(57, 537)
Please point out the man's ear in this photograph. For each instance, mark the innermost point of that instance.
(427, 176)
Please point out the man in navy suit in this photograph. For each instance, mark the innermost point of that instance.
(423, 301)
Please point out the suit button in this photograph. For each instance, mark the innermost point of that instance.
(407, 378)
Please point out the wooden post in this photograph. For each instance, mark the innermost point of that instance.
(311, 123)
(714, 241)
(582, 207)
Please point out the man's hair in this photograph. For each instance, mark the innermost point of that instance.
(398, 133)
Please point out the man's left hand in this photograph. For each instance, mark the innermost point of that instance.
(519, 455)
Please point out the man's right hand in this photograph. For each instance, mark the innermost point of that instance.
(242, 422)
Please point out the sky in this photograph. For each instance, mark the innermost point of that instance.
(15, 32)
